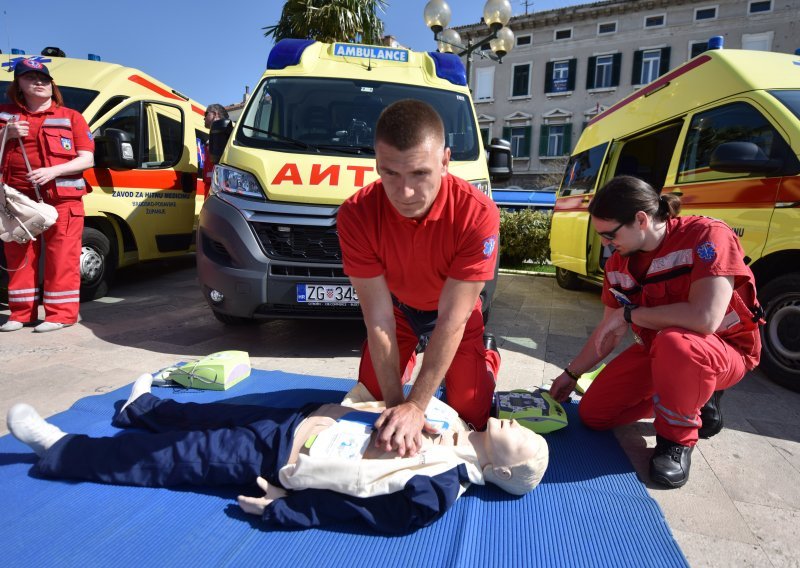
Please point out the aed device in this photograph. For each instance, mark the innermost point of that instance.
(536, 410)
(218, 371)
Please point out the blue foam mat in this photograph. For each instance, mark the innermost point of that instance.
(590, 509)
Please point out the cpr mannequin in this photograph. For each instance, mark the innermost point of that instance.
(315, 465)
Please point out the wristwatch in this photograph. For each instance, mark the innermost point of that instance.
(626, 312)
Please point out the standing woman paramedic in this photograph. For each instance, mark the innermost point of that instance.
(59, 147)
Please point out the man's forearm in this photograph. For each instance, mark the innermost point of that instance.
(439, 354)
(675, 315)
(385, 357)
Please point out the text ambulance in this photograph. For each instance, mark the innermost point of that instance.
(144, 199)
(722, 132)
(267, 244)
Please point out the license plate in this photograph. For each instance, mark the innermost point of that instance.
(327, 295)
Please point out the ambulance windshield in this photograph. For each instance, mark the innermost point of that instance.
(74, 98)
(338, 116)
(790, 98)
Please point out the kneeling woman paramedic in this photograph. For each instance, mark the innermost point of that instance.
(59, 147)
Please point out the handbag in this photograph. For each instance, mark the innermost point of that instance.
(22, 218)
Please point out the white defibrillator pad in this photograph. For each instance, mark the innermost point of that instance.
(348, 438)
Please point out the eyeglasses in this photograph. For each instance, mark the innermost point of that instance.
(611, 235)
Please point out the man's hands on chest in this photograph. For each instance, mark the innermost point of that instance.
(400, 429)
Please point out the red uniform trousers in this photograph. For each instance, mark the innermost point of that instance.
(62, 279)
(470, 380)
(674, 379)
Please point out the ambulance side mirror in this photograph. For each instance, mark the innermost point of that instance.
(114, 150)
(742, 157)
(218, 137)
(500, 162)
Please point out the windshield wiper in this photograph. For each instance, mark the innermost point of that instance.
(348, 149)
(283, 138)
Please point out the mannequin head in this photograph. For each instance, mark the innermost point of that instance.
(516, 457)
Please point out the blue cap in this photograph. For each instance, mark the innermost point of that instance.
(29, 65)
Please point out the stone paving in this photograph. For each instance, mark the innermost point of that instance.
(741, 506)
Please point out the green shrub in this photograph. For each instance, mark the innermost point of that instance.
(524, 235)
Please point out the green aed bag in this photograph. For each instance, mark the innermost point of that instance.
(218, 371)
(535, 410)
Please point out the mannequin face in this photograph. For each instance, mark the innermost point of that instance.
(508, 444)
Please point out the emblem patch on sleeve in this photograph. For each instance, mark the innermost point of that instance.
(706, 251)
(489, 245)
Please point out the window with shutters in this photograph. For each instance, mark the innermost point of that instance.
(560, 76)
(602, 73)
(518, 132)
(649, 64)
(555, 140)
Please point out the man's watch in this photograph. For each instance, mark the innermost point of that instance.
(626, 312)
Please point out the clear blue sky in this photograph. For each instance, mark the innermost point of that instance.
(207, 50)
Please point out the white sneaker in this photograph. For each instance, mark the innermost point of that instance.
(28, 427)
(11, 325)
(46, 326)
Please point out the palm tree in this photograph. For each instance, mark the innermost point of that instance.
(330, 21)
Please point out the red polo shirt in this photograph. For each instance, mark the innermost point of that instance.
(456, 239)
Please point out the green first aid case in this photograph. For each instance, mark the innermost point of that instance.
(218, 371)
(535, 410)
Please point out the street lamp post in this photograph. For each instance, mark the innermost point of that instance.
(496, 14)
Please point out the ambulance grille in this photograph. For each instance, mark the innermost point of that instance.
(306, 271)
(299, 242)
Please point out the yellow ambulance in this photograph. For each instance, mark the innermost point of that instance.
(267, 245)
(722, 132)
(146, 191)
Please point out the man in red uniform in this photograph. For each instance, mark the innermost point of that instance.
(682, 284)
(418, 245)
(59, 147)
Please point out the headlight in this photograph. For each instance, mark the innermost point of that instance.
(482, 184)
(235, 182)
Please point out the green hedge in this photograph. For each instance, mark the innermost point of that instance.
(524, 235)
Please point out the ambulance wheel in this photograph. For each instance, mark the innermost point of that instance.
(780, 337)
(567, 279)
(97, 264)
(235, 320)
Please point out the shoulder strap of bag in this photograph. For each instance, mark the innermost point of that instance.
(24, 156)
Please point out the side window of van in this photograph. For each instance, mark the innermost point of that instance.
(736, 122)
(582, 170)
(163, 142)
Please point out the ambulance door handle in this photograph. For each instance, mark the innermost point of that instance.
(677, 192)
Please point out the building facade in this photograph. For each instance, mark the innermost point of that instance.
(572, 63)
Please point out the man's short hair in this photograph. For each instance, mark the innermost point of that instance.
(217, 108)
(525, 476)
(408, 123)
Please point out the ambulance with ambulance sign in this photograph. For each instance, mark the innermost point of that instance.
(267, 245)
(145, 186)
(722, 132)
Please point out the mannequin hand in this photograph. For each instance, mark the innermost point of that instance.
(562, 387)
(257, 505)
(18, 129)
(42, 175)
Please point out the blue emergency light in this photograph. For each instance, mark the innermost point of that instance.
(15, 51)
(287, 52)
(449, 67)
(716, 42)
(93, 57)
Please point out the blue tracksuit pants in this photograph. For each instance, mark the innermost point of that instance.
(187, 444)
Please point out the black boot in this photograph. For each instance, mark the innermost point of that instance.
(670, 463)
(711, 415)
